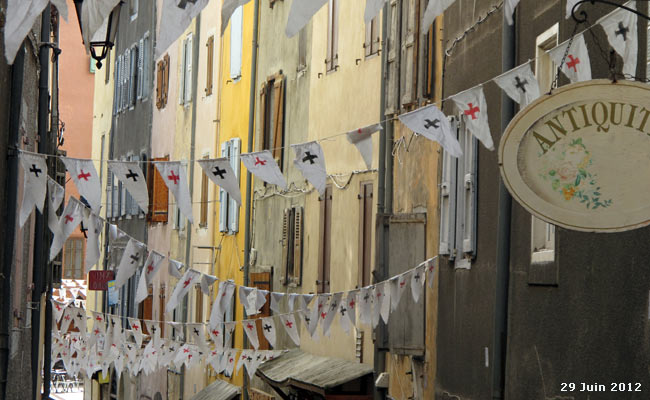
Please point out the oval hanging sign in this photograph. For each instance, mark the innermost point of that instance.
(580, 158)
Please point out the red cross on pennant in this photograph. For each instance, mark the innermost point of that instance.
(186, 350)
(573, 62)
(259, 162)
(68, 219)
(186, 283)
(215, 332)
(472, 110)
(323, 315)
(289, 324)
(150, 268)
(352, 303)
(84, 175)
(96, 331)
(249, 326)
(99, 318)
(58, 307)
(136, 327)
(174, 178)
(402, 283)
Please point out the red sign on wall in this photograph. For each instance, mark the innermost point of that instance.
(98, 280)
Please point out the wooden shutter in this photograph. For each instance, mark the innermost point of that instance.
(165, 93)
(278, 118)
(365, 234)
(323, 283)
(209, 73)
(160, 71)
(223, 195)
(297, 245)
(146, 310)
(161, 310)
(264, 120)
(410, 37)
(262, 281)
(198, 305)
(203, 222)
(448, 202)
(159, 194)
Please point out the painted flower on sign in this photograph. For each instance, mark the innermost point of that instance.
(567, 170)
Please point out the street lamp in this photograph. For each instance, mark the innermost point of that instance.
(99, 50)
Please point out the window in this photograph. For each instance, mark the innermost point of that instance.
(140, 70)
(133, 9)
(124, 90)
(117, 76)
(158, 193)
(210, 66)
(228, 207)
(203, 222)
(332, 60)
(292, 245)
(323, 282)
(236, 42)
(185, 89)
(409, 57)
(366, 227)
(543, 233)
(145, 308)
(161, 309)
(272, 113)
(162, 82)
(372, 42)
(458, 200)
(145, 48)
(73, 257)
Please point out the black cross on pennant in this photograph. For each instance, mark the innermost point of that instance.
(309, 157)
(267, 328)
(35, 170)
(432, 124)
(196, 331)
(135, 258)
(622, 30)
(343, 310)
(132, 175)
(521, 85)
(219, 171)
(84, 230)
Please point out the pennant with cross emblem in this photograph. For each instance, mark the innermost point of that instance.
(311, 162)
(131, 176)
(263, 166)
(85, 177)
(473, 107)
(131, 260)
(221, 173)
(431, 123)
(175, 177)
(620, 27)
(576, 64)
(34, 184)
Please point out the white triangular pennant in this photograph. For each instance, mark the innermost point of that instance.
(576, 65)
(311, 162)
(289, 323)
(431, 123)
(417, 282)
(434, 9)
(93, 225)
(221, 173)
(250, 327)
(131, 259)
(55, 196)
(268, 329)
(85, 177)
(136, 330)
(34, 184)
(70, 219)
(474, 108)
(331, 310)
(300, 14)
(276, 299)
(362, 138)
(519, 84)
(620, 27)
(176, 16)
(175, 268)
(372, 10)
(263, 166)
(175, 177)
(509, 10)
(183, 286)
(20, 18)
(131, 176)
(57, 309)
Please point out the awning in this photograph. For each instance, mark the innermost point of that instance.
(218, 390)
(318, 374)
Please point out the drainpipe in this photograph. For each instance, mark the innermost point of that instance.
(9, 214)
(251, 132)
(500, 335)
(40, 259)
(384, 201)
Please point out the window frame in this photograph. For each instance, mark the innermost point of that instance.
(236, 43)
(209, 74)
(70, 262)
(332, 57)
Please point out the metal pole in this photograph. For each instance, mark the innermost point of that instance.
(251, 132)
(10, 212)
(500, 339)
(40, 258)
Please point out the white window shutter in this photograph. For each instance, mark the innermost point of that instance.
(116, 198)
(109, 195)
(135, 208)
(448, 203)
(188, 70)
(181, 87)
(236, 31)
(127, 85)
(146, 66)
(116, 85)
(125, 77)
(233, 207)
(140, 68)
(469, 191)
(223, 197)
(122, 191)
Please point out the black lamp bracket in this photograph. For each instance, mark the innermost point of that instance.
(581, 17)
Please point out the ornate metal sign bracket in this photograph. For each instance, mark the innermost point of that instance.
(581, 16)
